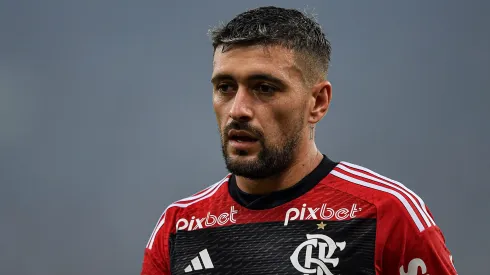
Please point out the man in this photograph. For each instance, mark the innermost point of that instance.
(286, 208)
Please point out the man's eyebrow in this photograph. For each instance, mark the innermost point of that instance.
(253, 77)
(266, 77)
(220, 77)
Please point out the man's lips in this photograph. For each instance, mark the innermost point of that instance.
(241, 140)
(241, 136)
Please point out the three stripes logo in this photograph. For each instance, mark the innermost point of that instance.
(196, 262)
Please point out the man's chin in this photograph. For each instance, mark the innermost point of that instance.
(249, 153)
(244, 167)
(238, 159)
(242, 157)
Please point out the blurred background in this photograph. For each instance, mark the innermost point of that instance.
(106, 118)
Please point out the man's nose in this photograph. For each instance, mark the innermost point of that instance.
(241, 109)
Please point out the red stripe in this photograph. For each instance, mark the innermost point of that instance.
(408, 191)
(407, 198)
(188, 199)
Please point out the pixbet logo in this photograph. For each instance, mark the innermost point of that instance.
(323, 212)
(209, 220)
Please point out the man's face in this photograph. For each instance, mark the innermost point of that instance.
(260, 102)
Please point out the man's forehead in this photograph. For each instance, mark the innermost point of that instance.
(271, 57)
(274, 53)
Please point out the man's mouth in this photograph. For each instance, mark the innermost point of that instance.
(241, 136)
(242, 140)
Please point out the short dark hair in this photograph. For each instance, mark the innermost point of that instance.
(270, 25)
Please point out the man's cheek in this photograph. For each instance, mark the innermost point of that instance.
(284, 121)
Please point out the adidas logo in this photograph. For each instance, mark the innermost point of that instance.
(196, 262)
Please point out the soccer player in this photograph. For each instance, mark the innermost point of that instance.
(286, 208)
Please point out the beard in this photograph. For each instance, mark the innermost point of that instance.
(271, 159)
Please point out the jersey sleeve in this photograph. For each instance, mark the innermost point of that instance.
(409, 251)
(156, 259)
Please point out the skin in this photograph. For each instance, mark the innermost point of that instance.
(266, 87)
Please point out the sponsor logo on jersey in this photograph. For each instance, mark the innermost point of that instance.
(325, 247)
(323, 213)
(210, 220)
(413, 268)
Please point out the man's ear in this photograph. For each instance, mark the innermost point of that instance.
(321, 97)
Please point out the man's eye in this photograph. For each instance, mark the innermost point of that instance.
(224, 88)
(266, 89)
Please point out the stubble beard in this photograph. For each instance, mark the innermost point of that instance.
(271, 159)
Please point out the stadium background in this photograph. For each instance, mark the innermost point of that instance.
(106, 118)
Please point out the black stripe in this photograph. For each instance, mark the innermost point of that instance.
(266, 248)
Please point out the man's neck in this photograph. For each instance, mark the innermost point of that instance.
(303, 165)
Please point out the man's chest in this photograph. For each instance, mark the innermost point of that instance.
(315, 239)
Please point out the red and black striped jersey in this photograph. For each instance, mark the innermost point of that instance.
(340, 219)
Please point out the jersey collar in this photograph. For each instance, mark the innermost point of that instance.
(274, 199)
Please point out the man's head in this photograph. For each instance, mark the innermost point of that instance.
(269, 88)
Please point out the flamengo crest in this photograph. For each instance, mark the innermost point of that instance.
(326, 247)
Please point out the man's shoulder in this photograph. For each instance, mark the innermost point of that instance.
(375, 187)
(197, 202)
(202, 197)
(393, 200)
